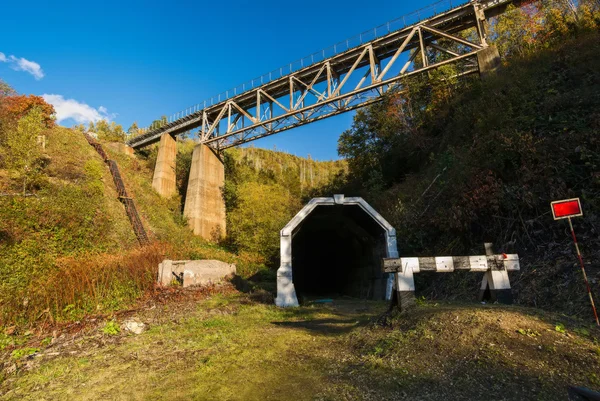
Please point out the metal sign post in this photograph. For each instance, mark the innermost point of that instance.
(565, 209)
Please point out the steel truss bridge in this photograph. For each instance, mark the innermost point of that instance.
(325, 85)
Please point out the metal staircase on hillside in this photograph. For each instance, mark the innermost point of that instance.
(127, 201)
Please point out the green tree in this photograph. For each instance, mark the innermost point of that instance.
(158, 123)
(102, 129)
(80, 128)
(384, 143)
(133, 130)
(22, 152)
(6, 89)
(117, 133)
(513, 32)
(261, 211)
(110, 132)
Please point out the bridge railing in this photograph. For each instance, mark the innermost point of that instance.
(357, 40)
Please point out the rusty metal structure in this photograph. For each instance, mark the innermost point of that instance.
(125, 199)
(351, 74)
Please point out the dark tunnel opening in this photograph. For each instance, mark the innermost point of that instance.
(337, 251)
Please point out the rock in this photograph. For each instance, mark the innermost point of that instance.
(134, 326)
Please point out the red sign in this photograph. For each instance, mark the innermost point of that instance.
(566, 208)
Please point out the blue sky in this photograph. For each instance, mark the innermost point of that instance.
(135, 61)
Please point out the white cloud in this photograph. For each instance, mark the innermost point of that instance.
(81, 113)
(21, 64)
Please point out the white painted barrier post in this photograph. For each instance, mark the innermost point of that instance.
(495, 281)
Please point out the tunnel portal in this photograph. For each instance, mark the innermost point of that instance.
(333, 247)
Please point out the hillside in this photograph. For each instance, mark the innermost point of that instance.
(482, 162)
(75, 212)
(63, 250)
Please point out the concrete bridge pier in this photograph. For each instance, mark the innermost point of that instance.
(204, 204)
(488, 59)
(163, 181)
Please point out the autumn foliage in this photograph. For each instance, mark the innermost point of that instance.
(13, 108)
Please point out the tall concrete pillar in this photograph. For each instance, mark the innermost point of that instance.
(488, 59)
(163, 181)
(204, 204)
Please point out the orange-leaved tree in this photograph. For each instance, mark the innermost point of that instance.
(13, 108)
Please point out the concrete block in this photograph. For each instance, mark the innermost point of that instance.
(194, 272)
(204, 204)
(165, 269)
(489, 61)
(163, 181)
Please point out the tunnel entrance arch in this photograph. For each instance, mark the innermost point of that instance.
(334, 246)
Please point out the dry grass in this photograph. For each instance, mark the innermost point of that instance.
(88, 284)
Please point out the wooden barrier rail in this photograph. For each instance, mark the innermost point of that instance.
(495, 284)
(443, 264)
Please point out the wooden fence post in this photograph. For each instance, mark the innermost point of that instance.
(495, 285)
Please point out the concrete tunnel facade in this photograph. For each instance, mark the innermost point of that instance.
(334, 247)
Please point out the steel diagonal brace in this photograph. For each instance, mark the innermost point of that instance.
(373, 63)
(349, 73)
(305, 92)
(271, 98)
(216, 123)
(410, 60)
(451, 37)
(310, 86)
(233, 125)
(450, 52)
(360, 83)
(244, 112)
(397, 54)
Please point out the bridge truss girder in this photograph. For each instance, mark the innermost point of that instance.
(344, 82)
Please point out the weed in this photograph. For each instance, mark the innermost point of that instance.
(5, 341)
(21, 352)
(215, 322)
(529, 332)
(582, 331)
(560, 328)
(111, 328)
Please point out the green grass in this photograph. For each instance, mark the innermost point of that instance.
(228, 348)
